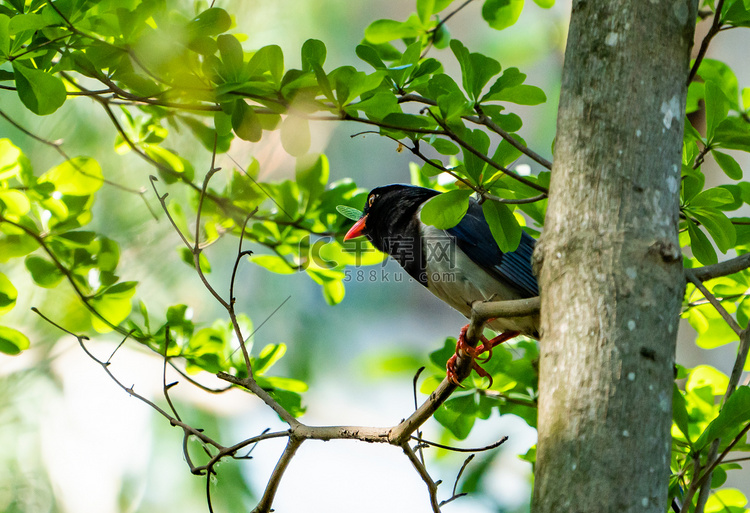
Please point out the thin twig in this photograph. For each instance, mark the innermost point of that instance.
(715, 28)
(714, 302)
(455, 495)
(485, 120)
(432, 486)
(461, 449)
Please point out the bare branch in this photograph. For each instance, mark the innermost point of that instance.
(264, 506)
(725, 268)
(432, 486)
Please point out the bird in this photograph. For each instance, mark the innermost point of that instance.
(459, 265)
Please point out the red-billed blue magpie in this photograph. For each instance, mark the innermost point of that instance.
(459, 265)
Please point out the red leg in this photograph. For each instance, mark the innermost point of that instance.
(463, 348)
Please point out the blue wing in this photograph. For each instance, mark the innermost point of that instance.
(474, 238)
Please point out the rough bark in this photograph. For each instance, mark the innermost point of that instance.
(609, 260)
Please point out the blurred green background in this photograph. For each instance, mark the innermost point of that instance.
(74, 442)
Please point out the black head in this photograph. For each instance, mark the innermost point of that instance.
(390, 214)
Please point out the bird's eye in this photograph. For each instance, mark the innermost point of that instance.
(370, 200)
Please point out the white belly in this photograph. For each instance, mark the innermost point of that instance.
(454, 278)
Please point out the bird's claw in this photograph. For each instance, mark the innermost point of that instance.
(463, 348)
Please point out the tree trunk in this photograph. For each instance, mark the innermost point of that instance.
(609, 260)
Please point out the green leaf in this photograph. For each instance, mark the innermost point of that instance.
(715, 197)
(368, 54)
(245, 122)
(269, 355)
(16, 202)
(10, 160)
(383, 31)
(707, 376)
(700, 245)
(425, 9)
(713, 331)
(480, 141)
(506, 153)
(446, 210)
(457, 415)
(544, 4)
(722, 76)
(41, 92)
(4, 36)
(180, 167)
(727, 164)
(476, 69)
(521, 94)
(312, 178)
(12, 341)
(333, 292)
(717, 108)
(187, 256)
(295, 135)
(43, 272)
(313, 54)
(331, 282)
(444, 147)
(114, 304)
(8, 294)
(718, 226)
(733, 133)
(232, 55)
(287, 384)
(501, 14)
(79, 176)
(25, 22)
(679, 412)
(207, 350)
(268, 59)
(726, 500)
(734, 416)
(503, 225)
(273, 263)
(210, 22)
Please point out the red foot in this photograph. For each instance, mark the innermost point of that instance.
(464, 349)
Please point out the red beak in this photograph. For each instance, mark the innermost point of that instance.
(358, 229)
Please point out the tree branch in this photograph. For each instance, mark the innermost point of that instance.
(715, 28)
(264, 506)
(725, 268)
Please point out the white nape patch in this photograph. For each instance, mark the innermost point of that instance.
(631, 273)
(631, 324)
(523, 169)
(611, 39)
(631, 376)
(671, 111)
(638, 133)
